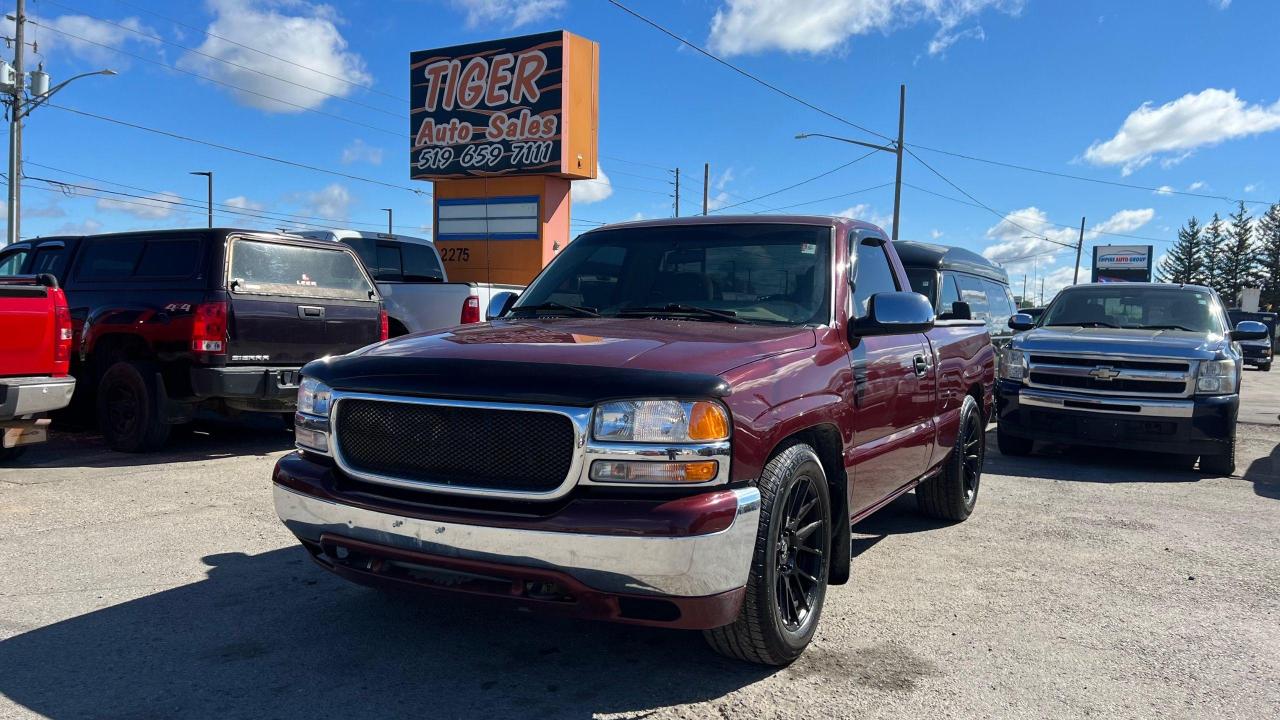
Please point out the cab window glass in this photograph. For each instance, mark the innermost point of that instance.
(874, 275)
(388, 263)
(925, 282)
(11, 264)
(266, 268)
(109, 259)
(420, 263)
(997, 302)
(972, 292)
(169, 258)
(52, 260)
(950, 293)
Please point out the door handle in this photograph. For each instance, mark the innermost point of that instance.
(922, 366)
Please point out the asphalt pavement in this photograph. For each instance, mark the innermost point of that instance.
(1087, 584)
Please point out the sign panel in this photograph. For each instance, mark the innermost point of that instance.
(1122, 263)
(516, 106)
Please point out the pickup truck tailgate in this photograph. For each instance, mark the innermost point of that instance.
(26, 330)
(291, 304)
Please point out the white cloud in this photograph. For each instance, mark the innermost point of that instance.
(359, 151)
(585, 192)
(88, 226)
(511, 13)
(1250, 187)
(935, 234)
(1197, 185)
(243, 203)
(1026, 236)
(1165, 190)
(1222, 4)
(1125, 221)
(309, 38)
(865, 213)
(332, 201)
(1173, 130)
(85, 37)
(153, 207)
(817, 26)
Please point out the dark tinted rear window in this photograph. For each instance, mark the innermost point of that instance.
(169, 258)
(109, 259)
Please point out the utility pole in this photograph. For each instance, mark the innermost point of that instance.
(389, 223)
(677, 192)
(1024, 287)
(706, 179)
(1079, 249)
(1041, 292)
(15, 123)
(896, 148)
(208, 175)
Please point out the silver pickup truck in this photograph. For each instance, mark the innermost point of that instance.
(1143, 366)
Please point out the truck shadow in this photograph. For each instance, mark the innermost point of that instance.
(272, 636)
(1264, 473)
(899, 517)
(1089, 464)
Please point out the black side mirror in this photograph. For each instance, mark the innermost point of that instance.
(1250, 330)
(500, 303)
(895, 313)
(1021, 321)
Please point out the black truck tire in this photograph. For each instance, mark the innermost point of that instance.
(129, 413)
(1265, 367)
(1012, 445)
(1223, 463)
(7, 454)
(788, 580)
(953, 492)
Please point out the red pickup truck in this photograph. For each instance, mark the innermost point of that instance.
(35, 353)
(676, 424)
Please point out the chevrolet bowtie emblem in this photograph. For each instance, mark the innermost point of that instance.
(1104, 373)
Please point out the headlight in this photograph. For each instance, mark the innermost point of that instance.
(1013, 364)
(314, 397)
(1216, 377)
(660, 421)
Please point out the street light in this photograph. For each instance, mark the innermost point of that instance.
(19, 109)
(208, 175)
(892, 147)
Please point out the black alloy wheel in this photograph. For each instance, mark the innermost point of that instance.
(798, 556)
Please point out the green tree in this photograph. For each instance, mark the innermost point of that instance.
(1185, 261)
(1239, 257)
(1214, 241)
(1269, 256)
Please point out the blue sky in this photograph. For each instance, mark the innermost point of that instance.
(1176, 94)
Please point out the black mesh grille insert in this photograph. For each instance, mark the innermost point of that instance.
(510, 450)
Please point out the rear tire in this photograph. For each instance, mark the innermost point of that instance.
(953, 493)
(1223, 463)
(1012, 445)
(129, 413)
(788, 580)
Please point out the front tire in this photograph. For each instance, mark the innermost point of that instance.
(1265, 367)
(129, 413)
(953, 492)
(788, 580)
(1223, 463)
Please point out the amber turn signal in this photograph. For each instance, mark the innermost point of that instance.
(626, 471)
(708, 421)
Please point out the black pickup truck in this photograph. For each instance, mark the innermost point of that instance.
(165, 322)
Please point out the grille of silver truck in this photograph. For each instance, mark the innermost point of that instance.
(1152, 377)
(449, 446)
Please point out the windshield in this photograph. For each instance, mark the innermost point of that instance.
(1150, 308)
(763, 273)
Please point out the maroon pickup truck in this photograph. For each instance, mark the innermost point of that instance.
(35, 353)
(675, 425)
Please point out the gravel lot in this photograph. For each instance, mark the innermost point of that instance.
(1087, 584)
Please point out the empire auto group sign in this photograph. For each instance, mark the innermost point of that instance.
(504, 107)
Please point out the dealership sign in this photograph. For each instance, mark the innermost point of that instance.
(1122, 263)
(517, 106)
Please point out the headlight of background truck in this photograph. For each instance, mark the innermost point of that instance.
(1013, 364)
(667, 422)
(1217, 377)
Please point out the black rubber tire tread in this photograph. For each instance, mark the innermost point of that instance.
(13, 453)
(942, 496)
(152, 431)
(749, 637)
(1265, 368)
(1222, 464)
(1012, 445)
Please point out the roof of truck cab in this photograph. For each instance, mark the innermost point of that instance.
(219, 232)
(695, 220)
(914, 254)
(347, 234)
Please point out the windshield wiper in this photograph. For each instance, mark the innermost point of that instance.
(1162, 327)
(678, 308)
(573, 309)
(1087, 323)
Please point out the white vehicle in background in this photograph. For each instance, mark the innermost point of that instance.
(410, 276)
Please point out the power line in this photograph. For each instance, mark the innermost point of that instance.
(743, 72)
(239, 151)
(802, 182)
(827, 199)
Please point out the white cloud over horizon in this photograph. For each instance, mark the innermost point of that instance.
(508, 13)
(158, 206)
(332, 201)
(360, 151)
(585, 192)
(89, 38)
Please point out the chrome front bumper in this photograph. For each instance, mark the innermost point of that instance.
(1140, 406)
(692, 566)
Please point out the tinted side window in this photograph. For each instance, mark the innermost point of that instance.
(972, 292)
(925, 282)
(950, 293)
(169, 258)
(420, 263)
(998, 302)
(11, 263)
(388, 263)
(874, 275)
(109, 259)
(52, 260)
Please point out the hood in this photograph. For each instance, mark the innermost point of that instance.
(1178, 344)
(710, 348)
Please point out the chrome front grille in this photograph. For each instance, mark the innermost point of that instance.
(1103, 375)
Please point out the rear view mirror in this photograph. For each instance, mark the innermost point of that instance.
(1250, 330)
(895, 313)
(500, 303)
(1021, 321)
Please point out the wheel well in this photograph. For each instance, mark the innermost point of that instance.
(825, 441)
(975, 391)
(395, 328)
(110, 349)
